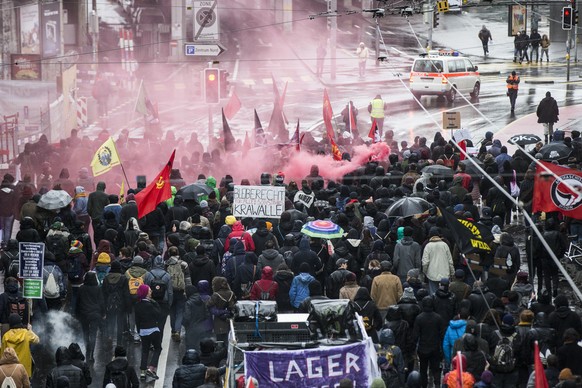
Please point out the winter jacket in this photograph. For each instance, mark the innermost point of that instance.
(97, 201)
(78, 360)
(246, 275)
(202, 268)
(65, 368)
(191, 373)
(260, 238)
(504, 251)
(284, 278)
(103, 247)
(20, 340)
(52, 267)
(305, 255)
(300, 288)
(480, 306)
(547, 110)
(271, 258)
(115, 292)
(349, 290)
(234, 262)
(386, 290)
(428, 330)
(121, 365)
(437, 261)
(147, 314)
(335, 282)
(445, 304)
(135, 271)
(506, 331)
(365, 306)
(561, 320)
(90, 305)
(455, 330)
(409, 308)
(266, 284)
(159, 273)
(406, 256)
(221, 304)
(11, 366)
(238, 232)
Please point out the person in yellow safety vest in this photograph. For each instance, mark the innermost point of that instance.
(376, 108)
(512, 87)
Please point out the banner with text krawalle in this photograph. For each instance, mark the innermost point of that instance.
(258, 201)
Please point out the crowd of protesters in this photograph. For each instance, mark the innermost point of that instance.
(422, 302)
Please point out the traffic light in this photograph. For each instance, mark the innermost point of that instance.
(212, 86)
(435, 18)
(567, 18)
(224, 83)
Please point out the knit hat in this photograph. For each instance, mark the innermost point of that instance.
(76, 247)
(566, 374)
(120, 351)
(137, 260)
(15, 321)
(142, 291)
(508, 320)
(487, 377)
(408, 293)
(230, 220)
(115, 267)
(561, 301)
(386, 265)
(350, 277)
(203, 204)
(413, 273)
(130, 197)
(57, 225)
(459, 274)
(185, 226)
(104, 258)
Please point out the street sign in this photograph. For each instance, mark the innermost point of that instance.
(206, 20)
(203, 50)
(451, 120)
(31, 260)
(443, 6)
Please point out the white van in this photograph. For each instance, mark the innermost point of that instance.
(436, 73)
(455, 6)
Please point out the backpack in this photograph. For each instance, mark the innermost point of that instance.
(449, 162)
(51, 288)
(15, 306)
(503, 359)
(75, 270)
(14, 265)
(177, 275)
(159, 288)
(367, 320)
(245, 288)
(56, 245)
(118, 378)
(225, 259)
(9, 380)
(114, 302)
(134, 283)
(498, 207)
(265, 295)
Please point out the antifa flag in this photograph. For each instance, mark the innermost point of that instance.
(553, 195)
(229, 140)
(156, 192)
(470, 236)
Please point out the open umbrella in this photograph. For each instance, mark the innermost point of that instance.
(470, 167)
(322, 229)
(194, 191)
(526, 139)
(438, 170)
(555, 151)
(54, 200)
(408, 206)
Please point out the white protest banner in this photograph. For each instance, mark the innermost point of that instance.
(258, 201)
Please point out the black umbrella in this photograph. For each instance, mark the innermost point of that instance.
(470, 167)
(555, 151)
(522, 140)
(439, 170)
(194, 191)
(408, 206)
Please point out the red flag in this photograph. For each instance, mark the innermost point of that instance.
(233, 106)
(335, 152)
(158, 191)
(327, 115)
(462, 145)
(562, 195)
(540, 375)
(374, 134)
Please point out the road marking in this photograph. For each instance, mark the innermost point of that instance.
(249, 82)
(306, 78)
(267, 81)
(161, 372)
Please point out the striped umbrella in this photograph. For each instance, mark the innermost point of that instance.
(322, 229)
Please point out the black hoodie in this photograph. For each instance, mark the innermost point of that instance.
(429, 328)
(90, 305)
(120, 364)
(65, 368)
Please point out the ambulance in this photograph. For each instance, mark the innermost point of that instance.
(435, 74)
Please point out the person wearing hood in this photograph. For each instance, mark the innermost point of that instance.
(136, 276)
(96, 202)
(211, 182)
(350, 287)
(90, 311)
(147, 320)
(455, 331)
(451, 379)
(437, 261)
(10, 366)
(283, 229)
(558, 244)
(128, 209)
(390, 360)
(53, 301)
(481, 299)
(563, 318)
(116, 299)
(180, 276)
(315, 293)
(386, 288)
(239, 233)
(197, 322)
(300, 286)
(365, 306)
(162, 290)
(543, 304)
(427, 333)
(65, 368)
(445, 303)
(201, 267)
(231, 260)
(245, 277)
(265, 288)
(9, 261)
(8, 202)
(28, 232)
(284, 278)
(191, 373)
(270, 256)
(504, 375)
(262, 236)
(85, 180)
(507, 259)
(19, 338)
(220, 305)
(407, 255)
(78, 360)
(118, 371)
(80, 206)
(306, 255)
(13, 301)
(219, 243)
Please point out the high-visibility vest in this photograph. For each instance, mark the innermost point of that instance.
(515, 85)
(377, 108)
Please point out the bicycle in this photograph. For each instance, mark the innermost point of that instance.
(574, 252)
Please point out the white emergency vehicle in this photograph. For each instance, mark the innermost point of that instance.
(444, 73)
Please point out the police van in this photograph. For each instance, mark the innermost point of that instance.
(437, 72)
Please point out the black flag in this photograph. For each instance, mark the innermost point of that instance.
(470, 236)
(229, 140)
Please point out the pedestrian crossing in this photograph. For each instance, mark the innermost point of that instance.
(252, 82)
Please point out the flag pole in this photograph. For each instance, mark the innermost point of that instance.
(121, 163)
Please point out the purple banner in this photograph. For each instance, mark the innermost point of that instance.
(322, 367)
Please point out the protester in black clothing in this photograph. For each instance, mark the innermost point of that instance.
(90, 311)
(78, 360)
(119, 372)
(67, 369)
(428, 333)
(563, 319)
(147, 314)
